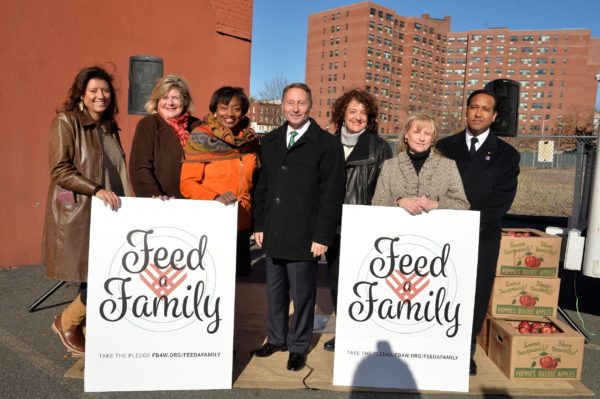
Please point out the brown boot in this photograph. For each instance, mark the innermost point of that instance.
(69, 329)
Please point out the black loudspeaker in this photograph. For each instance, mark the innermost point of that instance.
(144, 70)
(507, 93)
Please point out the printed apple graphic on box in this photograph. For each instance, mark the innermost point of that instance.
(547, 361)
(532, 261)
(525, 299)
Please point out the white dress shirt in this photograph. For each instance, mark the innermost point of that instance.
(480, 138)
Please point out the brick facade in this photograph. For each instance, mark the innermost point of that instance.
(416, 63)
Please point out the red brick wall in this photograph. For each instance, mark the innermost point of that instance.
(44, 45)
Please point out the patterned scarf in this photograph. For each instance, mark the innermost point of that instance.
(179, 125)
(213, 142)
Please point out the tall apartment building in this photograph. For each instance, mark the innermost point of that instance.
(416, 63)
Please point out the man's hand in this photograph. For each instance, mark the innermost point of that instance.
(318, 249)
(258, 238)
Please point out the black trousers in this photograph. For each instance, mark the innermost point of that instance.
(333, 264)
(83, 293)
(298, 278)
(243, 266)
(487, 259)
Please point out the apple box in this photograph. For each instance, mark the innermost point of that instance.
(528, 252)
(483, 336)
(515, 297)
(539, 355)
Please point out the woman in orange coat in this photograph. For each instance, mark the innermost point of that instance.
(220, 161)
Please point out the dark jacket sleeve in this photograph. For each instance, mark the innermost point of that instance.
(332, 183)
(260, 195)
(141, 163)
(61, 157)
(504, 190)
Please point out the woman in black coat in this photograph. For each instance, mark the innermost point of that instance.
(354, 115)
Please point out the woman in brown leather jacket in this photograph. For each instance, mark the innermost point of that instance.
(86, 159)
(354, 115)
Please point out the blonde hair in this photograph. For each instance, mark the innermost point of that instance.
(163, 85)
(421, 118)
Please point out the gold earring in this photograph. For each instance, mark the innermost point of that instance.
(81, 105)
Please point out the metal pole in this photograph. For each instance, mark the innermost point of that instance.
(576, 210)
(591, 259)
(44, 296)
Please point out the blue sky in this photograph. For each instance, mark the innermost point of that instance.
(279, 26)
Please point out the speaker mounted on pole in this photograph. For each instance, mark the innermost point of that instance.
(144, 71)
(507, 119)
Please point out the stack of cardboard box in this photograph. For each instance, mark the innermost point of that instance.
(522, 335)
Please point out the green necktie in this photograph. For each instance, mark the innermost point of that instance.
(293, 135)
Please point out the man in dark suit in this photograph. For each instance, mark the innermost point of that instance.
(298, 202)
(489, 168)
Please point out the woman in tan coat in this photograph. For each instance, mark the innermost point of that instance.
(419, 179)
(86, 159)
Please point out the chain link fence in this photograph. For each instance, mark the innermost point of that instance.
(555, 173)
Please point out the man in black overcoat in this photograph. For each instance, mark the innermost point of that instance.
(489, 168)
(297, 207)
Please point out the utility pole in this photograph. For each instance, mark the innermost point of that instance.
(591, 260)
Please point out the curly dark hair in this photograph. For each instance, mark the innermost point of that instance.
(338, 110)
(79, 85)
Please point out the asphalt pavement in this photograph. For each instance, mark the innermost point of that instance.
(33, 361)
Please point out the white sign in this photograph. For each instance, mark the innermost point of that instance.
(405, 298)
(161, 291)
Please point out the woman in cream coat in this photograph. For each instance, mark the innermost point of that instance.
(419, 179)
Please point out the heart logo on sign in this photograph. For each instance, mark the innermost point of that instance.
(407, 287)
(162, 282)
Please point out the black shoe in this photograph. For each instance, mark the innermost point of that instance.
(472, 368)
(296, 361)
(268, 349)
(329, 345)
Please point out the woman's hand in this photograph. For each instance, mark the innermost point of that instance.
(163, 197)
(109, 198)
(411, 205)
(427, 204)
(226, 198)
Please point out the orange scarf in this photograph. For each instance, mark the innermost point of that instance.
(179, 125)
